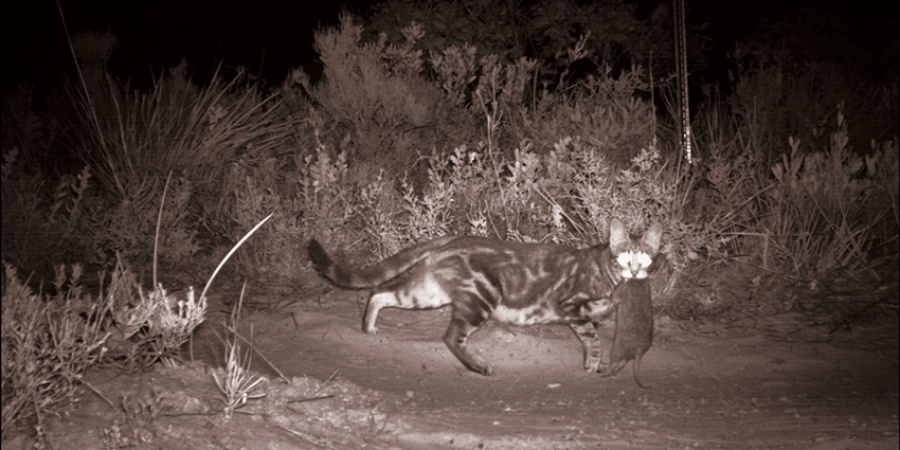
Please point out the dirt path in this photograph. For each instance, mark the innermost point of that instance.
(770, 382)
(736, 388)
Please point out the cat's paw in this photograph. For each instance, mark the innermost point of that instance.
(592, 365)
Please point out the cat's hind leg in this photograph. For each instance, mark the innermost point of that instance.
(376, 302)
(463, 323)
(423, 292)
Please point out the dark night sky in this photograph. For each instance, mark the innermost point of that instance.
(277, 34)
(163, 31)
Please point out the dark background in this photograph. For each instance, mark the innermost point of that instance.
(269, 37)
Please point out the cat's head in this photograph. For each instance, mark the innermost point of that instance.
(633, 257)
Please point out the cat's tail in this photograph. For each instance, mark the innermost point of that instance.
(378, 273)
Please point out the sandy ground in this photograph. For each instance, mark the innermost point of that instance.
(774, 381)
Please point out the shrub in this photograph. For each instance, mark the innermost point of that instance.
(126, 229)
(375, 93)
(131, 140)
(825, 207)
(41, 225)
(48, 342)
(568, 196)
(604, 112)
(309, 194)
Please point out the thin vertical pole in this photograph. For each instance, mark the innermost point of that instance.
(681, 77)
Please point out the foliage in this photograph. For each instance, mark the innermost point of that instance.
(826, 207)
(616, 36)
(38, 221)
(446, 24)
(134, 137)
(22, 212)
(308, 194)
(786, 81)
(48, 342)
(604, 111)
(131, 140)
(126, 229)
(374, 93)
(32, 123)
(543, 31)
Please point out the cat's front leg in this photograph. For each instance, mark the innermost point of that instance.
(590, 344)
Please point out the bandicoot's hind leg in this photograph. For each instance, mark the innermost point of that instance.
(616, 367)
(461, 327)
(613, 368)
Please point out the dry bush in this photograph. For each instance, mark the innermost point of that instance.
(48, 343)
(126, 228)
(50, 340)
(568, 196)
(132, 139)
(385, 110)
(826, 208)
(604, 112)
(309, 194)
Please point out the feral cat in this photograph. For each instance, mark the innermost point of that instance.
(634, 327)
(511, 282)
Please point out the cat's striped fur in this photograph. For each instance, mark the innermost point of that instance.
(512, 282)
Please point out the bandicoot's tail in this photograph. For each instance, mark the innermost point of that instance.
(376, 274)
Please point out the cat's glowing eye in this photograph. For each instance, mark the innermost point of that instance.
(634, 264)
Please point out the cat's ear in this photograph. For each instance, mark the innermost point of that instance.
(619, 241)
(652, 239)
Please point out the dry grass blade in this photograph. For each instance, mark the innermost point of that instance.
(231, 252)
(238, 383)
(307, 438)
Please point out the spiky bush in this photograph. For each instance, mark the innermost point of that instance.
(133, 139)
